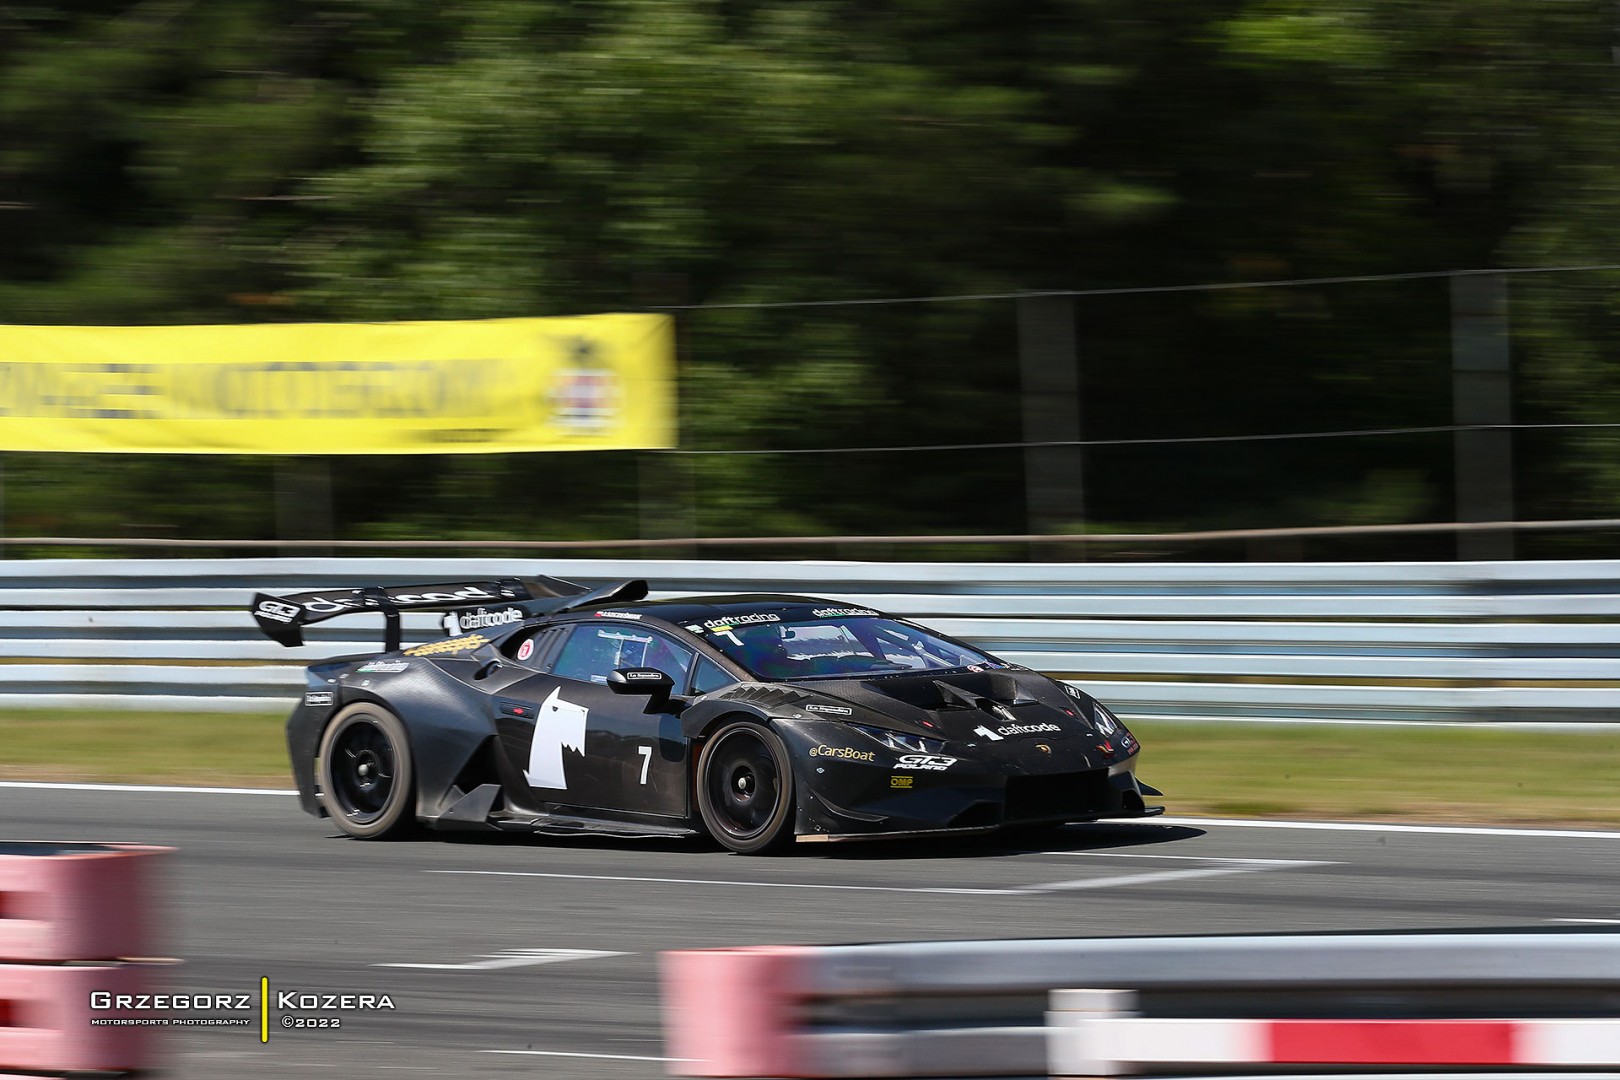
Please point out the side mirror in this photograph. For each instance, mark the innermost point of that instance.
(649, 682)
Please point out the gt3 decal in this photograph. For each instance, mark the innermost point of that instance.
(560, 723)
(280, 612)
(925, 762)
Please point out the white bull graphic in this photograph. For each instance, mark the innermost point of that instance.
(560, 723)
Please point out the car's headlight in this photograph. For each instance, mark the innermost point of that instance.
(1104, 721)
(900, 740)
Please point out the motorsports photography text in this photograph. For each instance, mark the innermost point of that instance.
(261, 1010)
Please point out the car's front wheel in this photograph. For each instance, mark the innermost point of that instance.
(745, 788)
(367, 782)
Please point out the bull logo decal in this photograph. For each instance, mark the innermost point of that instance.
(559, 723)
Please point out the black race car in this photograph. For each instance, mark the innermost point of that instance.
(760, 720)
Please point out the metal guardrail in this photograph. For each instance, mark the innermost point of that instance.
(1516, 641)
(979, 1008)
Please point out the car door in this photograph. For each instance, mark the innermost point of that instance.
(577, 743)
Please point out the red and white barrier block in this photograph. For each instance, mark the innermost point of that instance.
(72, 918)
(1094, 1033)
(733, 1012)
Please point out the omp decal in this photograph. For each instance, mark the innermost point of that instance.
(449, 645)
(842, 753)
(459, 622)
(902, 781)
(560, 723)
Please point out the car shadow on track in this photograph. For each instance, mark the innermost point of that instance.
(1089, 837)
(1010, 842)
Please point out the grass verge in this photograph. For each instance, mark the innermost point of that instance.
(1385, 773)
(209, 749)
(1329, 772)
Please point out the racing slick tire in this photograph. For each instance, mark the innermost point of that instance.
(745, 788)
(367, 777)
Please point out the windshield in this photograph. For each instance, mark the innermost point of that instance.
(840, 647)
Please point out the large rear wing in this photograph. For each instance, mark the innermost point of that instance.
(283, 618)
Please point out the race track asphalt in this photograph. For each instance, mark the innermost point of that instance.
(258, 889)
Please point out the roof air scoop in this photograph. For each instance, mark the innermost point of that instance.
(620, 592)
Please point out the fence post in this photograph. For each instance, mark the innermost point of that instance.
(1050, 380)
(1481, 393)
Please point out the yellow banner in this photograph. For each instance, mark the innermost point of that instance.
(593, 382)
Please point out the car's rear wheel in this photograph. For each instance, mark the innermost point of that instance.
(745, 788)
(367, 779)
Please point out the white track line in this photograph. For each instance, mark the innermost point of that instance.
(1356, 826)
(510, 958)
(43, 785)
(1233, 866)
(1236, 823)
(1140, 879)
(1185, 858)
(568, 1054)
(741, 884)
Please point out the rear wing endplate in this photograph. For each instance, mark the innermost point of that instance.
(283, 618)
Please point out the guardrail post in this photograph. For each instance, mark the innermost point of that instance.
(1072, 1045)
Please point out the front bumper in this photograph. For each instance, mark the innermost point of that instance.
(865, 792)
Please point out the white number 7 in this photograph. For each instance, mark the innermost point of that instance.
(646, 760)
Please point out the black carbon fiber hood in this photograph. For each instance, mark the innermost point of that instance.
(972, 707)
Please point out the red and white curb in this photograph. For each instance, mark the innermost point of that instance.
(1092, 1033)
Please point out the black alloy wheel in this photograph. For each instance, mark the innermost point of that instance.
(367, 782)
(745, 788)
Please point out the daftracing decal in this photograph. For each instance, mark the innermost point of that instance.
(559, 724)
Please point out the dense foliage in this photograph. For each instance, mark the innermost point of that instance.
(175, 161)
